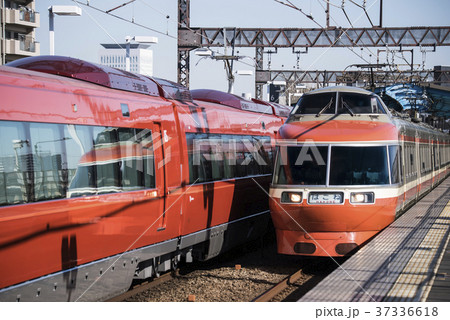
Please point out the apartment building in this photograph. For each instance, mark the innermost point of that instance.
(18, 23)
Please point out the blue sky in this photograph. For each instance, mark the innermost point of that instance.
(80, 37)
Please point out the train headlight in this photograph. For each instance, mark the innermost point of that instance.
(362, 197)
(291, 197)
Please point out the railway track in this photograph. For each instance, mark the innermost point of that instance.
(253, 273)
(278, 288)
(144, 286)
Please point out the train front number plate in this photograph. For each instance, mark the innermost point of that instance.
(325, 198)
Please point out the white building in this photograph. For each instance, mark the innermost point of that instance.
(141, 58)
(18, 21)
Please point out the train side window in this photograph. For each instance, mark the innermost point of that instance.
(229, 153)
(15, 157)
(216, 157)
(251, 157)
(266, 153)
(401, 163)
(110, 164)
(49, 161)
(81, 161)
(138, 171)
(394, 164)
(409, 161)
(42, 161)
(411, 157)
(198, 154)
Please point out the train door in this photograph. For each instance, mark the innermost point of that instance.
(159, 140)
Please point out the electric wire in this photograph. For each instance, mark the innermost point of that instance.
(320, 56)
(123, 19)
(100, 26)
(331, 4)
(350, 48)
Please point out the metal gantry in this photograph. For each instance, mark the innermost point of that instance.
(259, 38)
(316, 37)
(326, 77)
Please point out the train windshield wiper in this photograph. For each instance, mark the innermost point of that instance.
(325, 108)
(347, 107)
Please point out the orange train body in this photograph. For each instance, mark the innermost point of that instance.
(98, 179)
(346, 168)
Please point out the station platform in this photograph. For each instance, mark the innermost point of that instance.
(408, 261)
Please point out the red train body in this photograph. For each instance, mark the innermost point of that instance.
(108, 176)
(346, 168)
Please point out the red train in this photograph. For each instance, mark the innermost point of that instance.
(108, 176)
(346, 168)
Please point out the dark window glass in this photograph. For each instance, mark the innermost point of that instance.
(43, 161)
(314, 103)
(359, 103)
(15, 163)
(229, 153)
(358, 166)
(216, 157)
(49, 161)
(199, 158)
(265, 154)
(304, 165)
(241, 168)
(120, 160)
(394, 159)
(401, 164)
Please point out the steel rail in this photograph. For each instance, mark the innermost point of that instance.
(283, 284)
(144, 286)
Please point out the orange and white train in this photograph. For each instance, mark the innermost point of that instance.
(346, 168)
(108, 176)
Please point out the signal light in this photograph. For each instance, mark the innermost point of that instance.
(291, 197)
(362, 197)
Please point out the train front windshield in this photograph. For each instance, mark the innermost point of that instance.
(338, 103)
(348, 165)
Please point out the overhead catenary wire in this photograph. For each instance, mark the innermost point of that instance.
(320, 56)
(123, 19)
(291, 5)
(331, 4)
(350, 48)
(100, 26)
(345, 13)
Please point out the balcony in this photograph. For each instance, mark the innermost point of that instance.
(24, 47)
(22, 17)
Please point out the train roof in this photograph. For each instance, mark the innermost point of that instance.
(126, 81)
(90, 72)
(104, 76)
(231, 100)
(340, 89)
